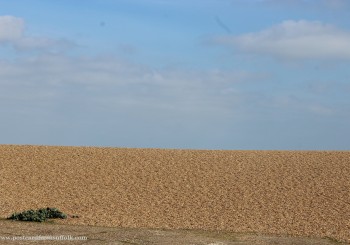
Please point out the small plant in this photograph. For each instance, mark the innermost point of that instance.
(39, 215)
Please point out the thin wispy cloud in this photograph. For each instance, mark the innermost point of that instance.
(309, 4)
(53, 82)
(109, 81)
(294, 40)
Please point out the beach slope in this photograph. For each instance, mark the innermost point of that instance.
(298, 193)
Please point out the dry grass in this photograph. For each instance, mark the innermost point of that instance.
(302, 193)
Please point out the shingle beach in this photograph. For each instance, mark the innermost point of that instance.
(301, 193)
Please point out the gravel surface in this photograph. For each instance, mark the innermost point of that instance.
(301, 193)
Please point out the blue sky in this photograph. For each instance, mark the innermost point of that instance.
(202, 74)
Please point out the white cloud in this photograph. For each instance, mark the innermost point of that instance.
(12, 32)
(294, 40)
(11, 28)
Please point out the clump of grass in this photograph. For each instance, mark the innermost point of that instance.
(38, 215)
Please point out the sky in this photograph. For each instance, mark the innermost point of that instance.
(200, 74)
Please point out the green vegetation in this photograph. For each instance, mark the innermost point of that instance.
(39, 215)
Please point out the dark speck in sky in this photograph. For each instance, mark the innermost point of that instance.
(222, 24)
